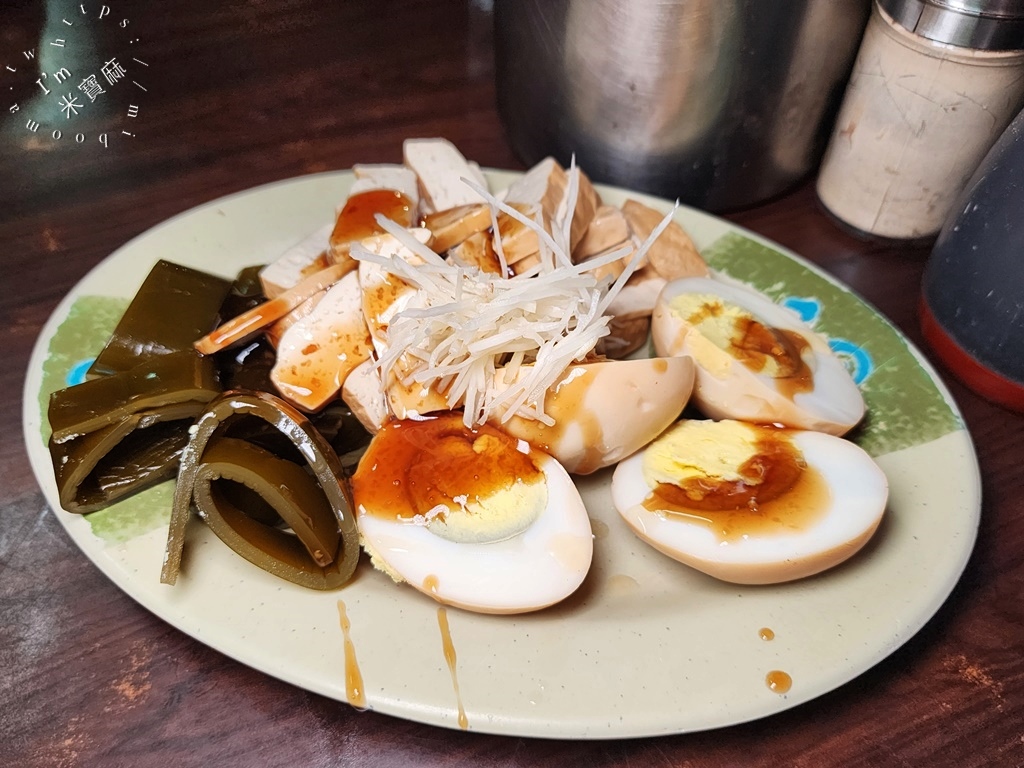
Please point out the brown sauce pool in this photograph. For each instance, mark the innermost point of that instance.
(789, 497)
(411, 466)
(358, 221)
(803, 505)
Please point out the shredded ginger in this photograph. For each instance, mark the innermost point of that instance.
(462, 324)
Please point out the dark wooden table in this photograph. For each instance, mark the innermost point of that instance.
(231, 95)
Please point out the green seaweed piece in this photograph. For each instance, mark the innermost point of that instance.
(117, 434)
(281, 484)
(174, 306)
(88, 325)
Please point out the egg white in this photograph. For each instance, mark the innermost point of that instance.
(532, 570)
(725, 388)
(858, 491)
(605, 410)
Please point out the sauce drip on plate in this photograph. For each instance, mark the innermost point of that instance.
(449, 656)
(778, 681)
(354, 690)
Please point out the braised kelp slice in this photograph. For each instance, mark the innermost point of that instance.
(286, 511)
(118, 434)
(173, 307)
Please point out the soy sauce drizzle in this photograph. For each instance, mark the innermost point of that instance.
(449, 656)
(354, 690)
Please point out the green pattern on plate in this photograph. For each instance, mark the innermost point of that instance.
(904, 407)
(138, 514)
(78, 339)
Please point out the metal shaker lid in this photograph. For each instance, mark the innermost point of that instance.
(991, 25)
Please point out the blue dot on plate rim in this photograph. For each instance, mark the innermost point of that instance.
(808, 307)
(77, 373)
(856, 358)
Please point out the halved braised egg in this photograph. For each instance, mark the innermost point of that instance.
(473, 518)
(603, 411)
(751, 504)
(755, 361)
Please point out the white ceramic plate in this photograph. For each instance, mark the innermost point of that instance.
(646, 646)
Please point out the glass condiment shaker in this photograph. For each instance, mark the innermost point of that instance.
(934, 85)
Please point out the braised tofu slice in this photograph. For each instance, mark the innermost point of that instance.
(537, 194)
(542, 193)
(307, 256)
(612, 269)
(476, 251)
(374, 404)
(639, 295)
(384, 294)
(454, 225)
(525, 264)
(518, 240)
(608, 229)
(275, 331)
(440, 169)
(673, 255)
(386, 176)
(317, 352)
(358, 218)
(362, 392)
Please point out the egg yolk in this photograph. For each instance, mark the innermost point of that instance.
(469, 485)
(775, 352)
(726, 465)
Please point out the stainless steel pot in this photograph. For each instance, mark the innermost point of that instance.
(721, 103)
